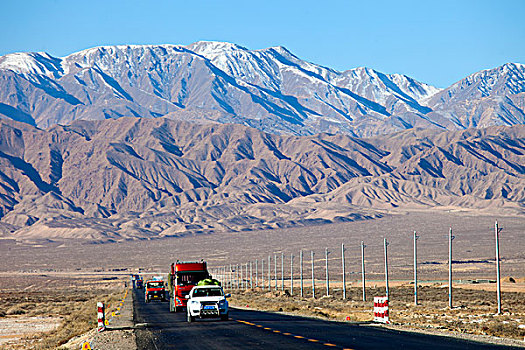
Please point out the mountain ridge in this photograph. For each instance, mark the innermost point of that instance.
(270, 89)
(136, 178)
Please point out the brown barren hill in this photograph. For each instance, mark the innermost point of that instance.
(135, 178)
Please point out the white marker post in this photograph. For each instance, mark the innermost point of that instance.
(101, 316)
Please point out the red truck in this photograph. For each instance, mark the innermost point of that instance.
(154, 290)
(183, 277)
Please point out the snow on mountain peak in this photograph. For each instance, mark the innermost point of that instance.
(38, 63)
(213, 47)
(508, 78)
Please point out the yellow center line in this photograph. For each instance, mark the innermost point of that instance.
(289, 334)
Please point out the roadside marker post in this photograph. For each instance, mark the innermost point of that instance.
(256, 273)
(381, 310)
(101, 316)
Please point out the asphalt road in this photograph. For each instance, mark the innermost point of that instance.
(248, 329)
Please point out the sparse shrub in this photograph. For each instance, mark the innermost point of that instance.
(16, 310)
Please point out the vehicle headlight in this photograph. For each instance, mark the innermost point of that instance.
(194, 302)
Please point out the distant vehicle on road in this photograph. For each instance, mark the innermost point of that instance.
(183, 277)
(207, 301)
(137, 281)
(154, 290)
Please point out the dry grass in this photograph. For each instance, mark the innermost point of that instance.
(473, 312)
(76, 307)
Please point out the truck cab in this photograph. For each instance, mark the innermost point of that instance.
(154, 290)
(182, 278)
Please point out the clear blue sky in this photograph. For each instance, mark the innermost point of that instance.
(438, 42)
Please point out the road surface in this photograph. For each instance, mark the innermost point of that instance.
(249, 329)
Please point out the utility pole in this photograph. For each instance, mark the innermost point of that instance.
(230, 284)
(450, 239)
(262, 274)
(313, 279)
(291, 274)
(344, 269)
(269, 272)
(386, 269)
(249, 275)
(242, 279)
(415, 267)
(238, 279)
(326, 269)
(497, 230)
(282, 271)
(363, 269)
(275, 269)
(256, 273)
(301, 267)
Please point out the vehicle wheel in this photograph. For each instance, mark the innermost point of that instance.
(190, 318)
(224, 317)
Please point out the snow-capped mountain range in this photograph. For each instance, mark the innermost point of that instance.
(269, 89)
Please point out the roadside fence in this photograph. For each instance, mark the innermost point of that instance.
(269, 272)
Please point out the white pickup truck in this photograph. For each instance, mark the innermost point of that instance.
(207, 301)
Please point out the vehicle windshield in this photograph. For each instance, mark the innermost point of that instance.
(190, 278)
(207, 292)
(156, 284)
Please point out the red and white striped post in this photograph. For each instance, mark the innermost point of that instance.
(101, 315)
(381, 310)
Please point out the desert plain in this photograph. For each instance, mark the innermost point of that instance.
(52, 282)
